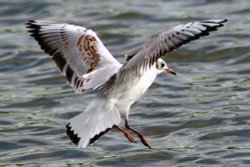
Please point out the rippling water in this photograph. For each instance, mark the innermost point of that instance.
(199, 118)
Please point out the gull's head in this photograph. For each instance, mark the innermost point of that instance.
(161, 66)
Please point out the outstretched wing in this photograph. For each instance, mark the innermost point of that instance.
(160, 46)
(78, 52)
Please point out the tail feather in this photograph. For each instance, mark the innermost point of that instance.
(87, 127)
(96, 137)
(73, 137)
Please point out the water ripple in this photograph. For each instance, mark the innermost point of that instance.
(198, 118)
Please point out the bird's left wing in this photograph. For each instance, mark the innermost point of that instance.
(77, 51)
(157, 47)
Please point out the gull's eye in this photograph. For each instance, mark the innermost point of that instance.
(162, 65)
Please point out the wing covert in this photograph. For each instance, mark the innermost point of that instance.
(75, 50)
(158, 47)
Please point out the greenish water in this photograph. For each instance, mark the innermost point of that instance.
(201, 117)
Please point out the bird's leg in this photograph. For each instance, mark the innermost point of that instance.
(126, 134)
(140, 135)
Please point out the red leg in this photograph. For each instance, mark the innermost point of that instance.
(140, 135)
(126, 134)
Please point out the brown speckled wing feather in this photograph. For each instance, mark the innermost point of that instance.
(75, 50)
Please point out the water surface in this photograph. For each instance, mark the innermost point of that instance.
(198, 118)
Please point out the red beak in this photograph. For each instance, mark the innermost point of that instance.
(170, 71)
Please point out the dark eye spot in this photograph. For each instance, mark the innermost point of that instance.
(162, 65)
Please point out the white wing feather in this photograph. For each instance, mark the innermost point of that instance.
(157, 47)
(76, 51)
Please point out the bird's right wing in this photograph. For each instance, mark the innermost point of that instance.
(157, 47)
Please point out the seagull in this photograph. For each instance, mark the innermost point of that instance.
(88, 66)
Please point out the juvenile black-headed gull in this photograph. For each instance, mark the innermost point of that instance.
(88, 65)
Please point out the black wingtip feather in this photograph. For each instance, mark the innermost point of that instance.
(29, 23)
(34, 30)
(69, 74)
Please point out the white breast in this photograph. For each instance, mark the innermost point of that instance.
(130, 93)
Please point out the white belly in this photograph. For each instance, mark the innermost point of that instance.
(126, 96)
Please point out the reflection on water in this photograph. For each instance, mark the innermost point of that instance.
(198, 118)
